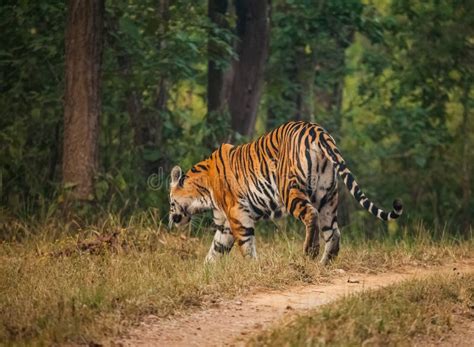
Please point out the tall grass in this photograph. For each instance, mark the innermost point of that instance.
(73, 282)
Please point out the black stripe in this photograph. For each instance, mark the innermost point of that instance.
(255, 208)
(374, 210)
(312, 133)
(295, 202)
(350, 181)
(358, 193)
(241, 242)
(223, 164)
(323, 169)
(221, 248)
(248, 232)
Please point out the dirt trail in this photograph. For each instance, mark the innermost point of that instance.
(232, 322)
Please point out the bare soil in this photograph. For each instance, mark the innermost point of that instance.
(231, 323)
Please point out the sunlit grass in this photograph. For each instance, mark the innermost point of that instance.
(69, 283)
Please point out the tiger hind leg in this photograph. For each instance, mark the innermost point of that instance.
(242, 226)
(329, 229)
(301, 208)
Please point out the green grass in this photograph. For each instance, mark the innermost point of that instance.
(67, 283)
(391, 316)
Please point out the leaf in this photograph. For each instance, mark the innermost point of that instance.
(101, 189)
(36, 113)
(120, 182)
(129, 28)
(151, 154)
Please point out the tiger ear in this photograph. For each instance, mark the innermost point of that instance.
(176, 174)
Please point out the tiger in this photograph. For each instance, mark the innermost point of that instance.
(291, 170)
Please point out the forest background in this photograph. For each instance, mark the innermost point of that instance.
(99, 99)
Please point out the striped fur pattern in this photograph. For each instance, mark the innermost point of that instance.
(291, 170)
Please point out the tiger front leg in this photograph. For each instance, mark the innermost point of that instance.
(223, 239)
(221, 244)
(242, 226)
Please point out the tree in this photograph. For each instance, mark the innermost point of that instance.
(82, 101)
(391, 80)
(236, 89)
(253, 31)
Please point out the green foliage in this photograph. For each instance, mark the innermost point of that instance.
(159, 48)
(391, 80)
(307, 45)
(408, 82)
(31, 71)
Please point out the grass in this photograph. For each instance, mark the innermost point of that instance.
(391, 316)
(63, 283)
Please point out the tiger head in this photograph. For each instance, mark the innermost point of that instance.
(187, 195)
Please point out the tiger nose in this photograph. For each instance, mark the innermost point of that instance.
(177, 218)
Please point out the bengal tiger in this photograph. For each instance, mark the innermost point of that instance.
(291, 170)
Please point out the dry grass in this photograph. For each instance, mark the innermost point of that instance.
(392, 316)
(63, 283)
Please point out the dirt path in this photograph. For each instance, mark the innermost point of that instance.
(231, 323)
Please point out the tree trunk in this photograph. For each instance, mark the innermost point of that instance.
(253, 30)
(215, 75)
(305, 73)
(82, 102)
(466, 163)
